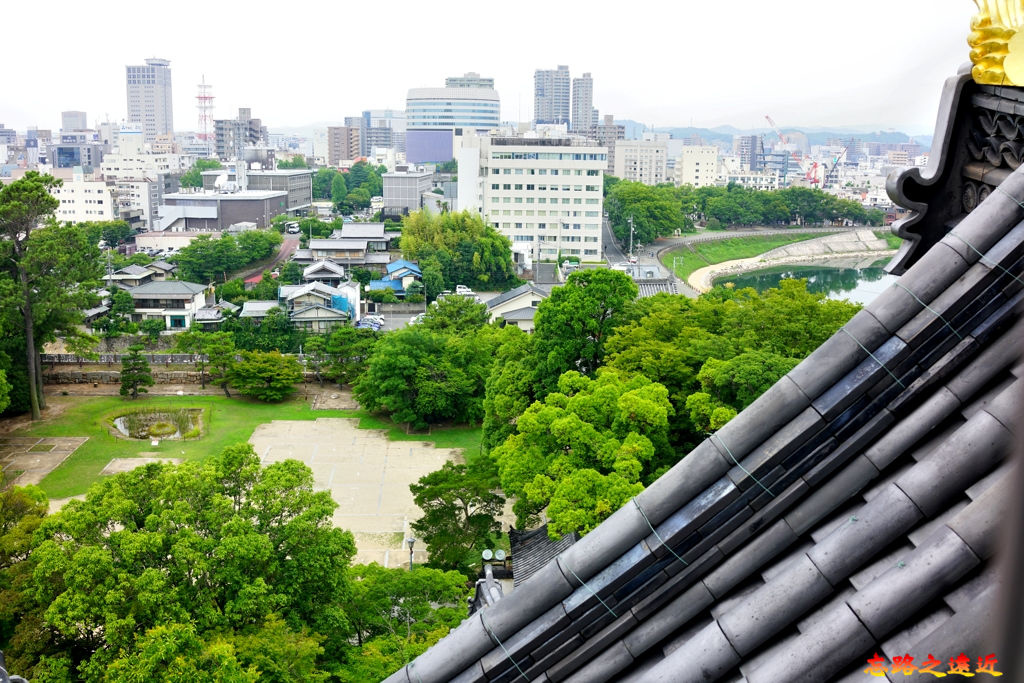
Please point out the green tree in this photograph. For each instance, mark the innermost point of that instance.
(135, 372)
(509, 388)
(152, 327)
(206, 259)
(297, 161)
(221, 352)
(455, 315)
(291, 274)
(466, 250)
(315, 355)
(256, 245)
(348, 350)
(322, 183)
(49, 268)
(193, 177)
(339, 191)
(266, 376)
(585, 449)
(195, 342)
(460, 513)
(574, 323)
(193, 568)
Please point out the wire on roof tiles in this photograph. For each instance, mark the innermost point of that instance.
(593, 592)
(758, 481)
(930, 310)
(984, 258)
(880, 363)
(657, 535)
(494, 635)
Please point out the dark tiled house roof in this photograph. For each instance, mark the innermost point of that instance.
(532, 549)
(852, 509)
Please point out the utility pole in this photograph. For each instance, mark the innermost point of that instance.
(631, 238)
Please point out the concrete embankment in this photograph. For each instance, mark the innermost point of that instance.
(856, 248)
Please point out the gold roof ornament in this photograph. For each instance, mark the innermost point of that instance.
(997, 42)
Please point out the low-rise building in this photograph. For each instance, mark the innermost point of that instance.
(517, 306)
(403, 190)
(84, 199)
(697, 166)
(174, 301)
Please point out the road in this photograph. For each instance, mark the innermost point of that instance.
(284, 254)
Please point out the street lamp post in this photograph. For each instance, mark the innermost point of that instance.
(410, 541)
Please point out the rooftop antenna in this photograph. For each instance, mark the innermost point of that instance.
(204, 103)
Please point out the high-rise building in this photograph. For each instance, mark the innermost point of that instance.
(232, 136)
(544, 194)
(470, 79)
(436, 116)
(343, 144)
(606, 135)
(73, 120)
(149, 98)
(583, 103)
(551, 95)
(749, 149)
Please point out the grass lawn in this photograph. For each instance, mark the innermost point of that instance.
(710, 253)
(892, 240)
(230, 421)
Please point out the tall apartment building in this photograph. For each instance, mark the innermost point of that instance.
(697, 166)
(607, 134)
(749, 149)
(232, 136)
(436, 116)
(343, 144)
(150, 107)
(470, 79)
(544, 194)
(551, 90)
(73, 120)
(583, 113)
(642, 161)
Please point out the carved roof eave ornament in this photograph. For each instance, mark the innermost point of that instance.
(964, 164)
(916, 188)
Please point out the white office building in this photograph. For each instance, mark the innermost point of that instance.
(544, 194)
(84, 199)
(584, 116)
(551, 90)
(697, 166)
(642, 161)
(149, 98)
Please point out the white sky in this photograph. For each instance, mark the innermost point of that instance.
(873, 64)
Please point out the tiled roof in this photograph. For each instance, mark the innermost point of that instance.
(513, 293)
(532, 549)
(524, 313)
(324, 265)
(402, 263)
(132, 270)
(853, 508)
(361, 231)
(257, 309)
(167, 288)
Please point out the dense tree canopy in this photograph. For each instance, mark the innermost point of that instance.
(207, 259)
(661, 210)
(585, 449)
(266, 375)
(193, 177)
(462, 247)
(214, 560)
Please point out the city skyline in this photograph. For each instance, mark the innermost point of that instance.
(874, 65)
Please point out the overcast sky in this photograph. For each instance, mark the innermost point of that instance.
(874, 64)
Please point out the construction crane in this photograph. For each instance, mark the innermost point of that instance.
(782, 136)
(830, 174)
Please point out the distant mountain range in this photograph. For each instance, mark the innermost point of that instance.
(815, 136)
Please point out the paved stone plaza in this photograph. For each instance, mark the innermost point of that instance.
(366, 474)
(31, 458)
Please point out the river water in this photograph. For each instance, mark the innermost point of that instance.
(858, 285)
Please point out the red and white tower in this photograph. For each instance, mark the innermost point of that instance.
(204, 103)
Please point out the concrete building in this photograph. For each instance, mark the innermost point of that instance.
(150, 106)
(81, 148)
(84, 199)
(606, 134)
(752, 180)
(173, 301)
(343, 144)
(642, 161)
(232, 136)
(141, 177)
(748, 148)
(404, 189)
(435, 117)
(551, 90)
(697, 166)
(583, 114)
(470, 79)
(297, 183)
(544, 194)
(73, 120)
